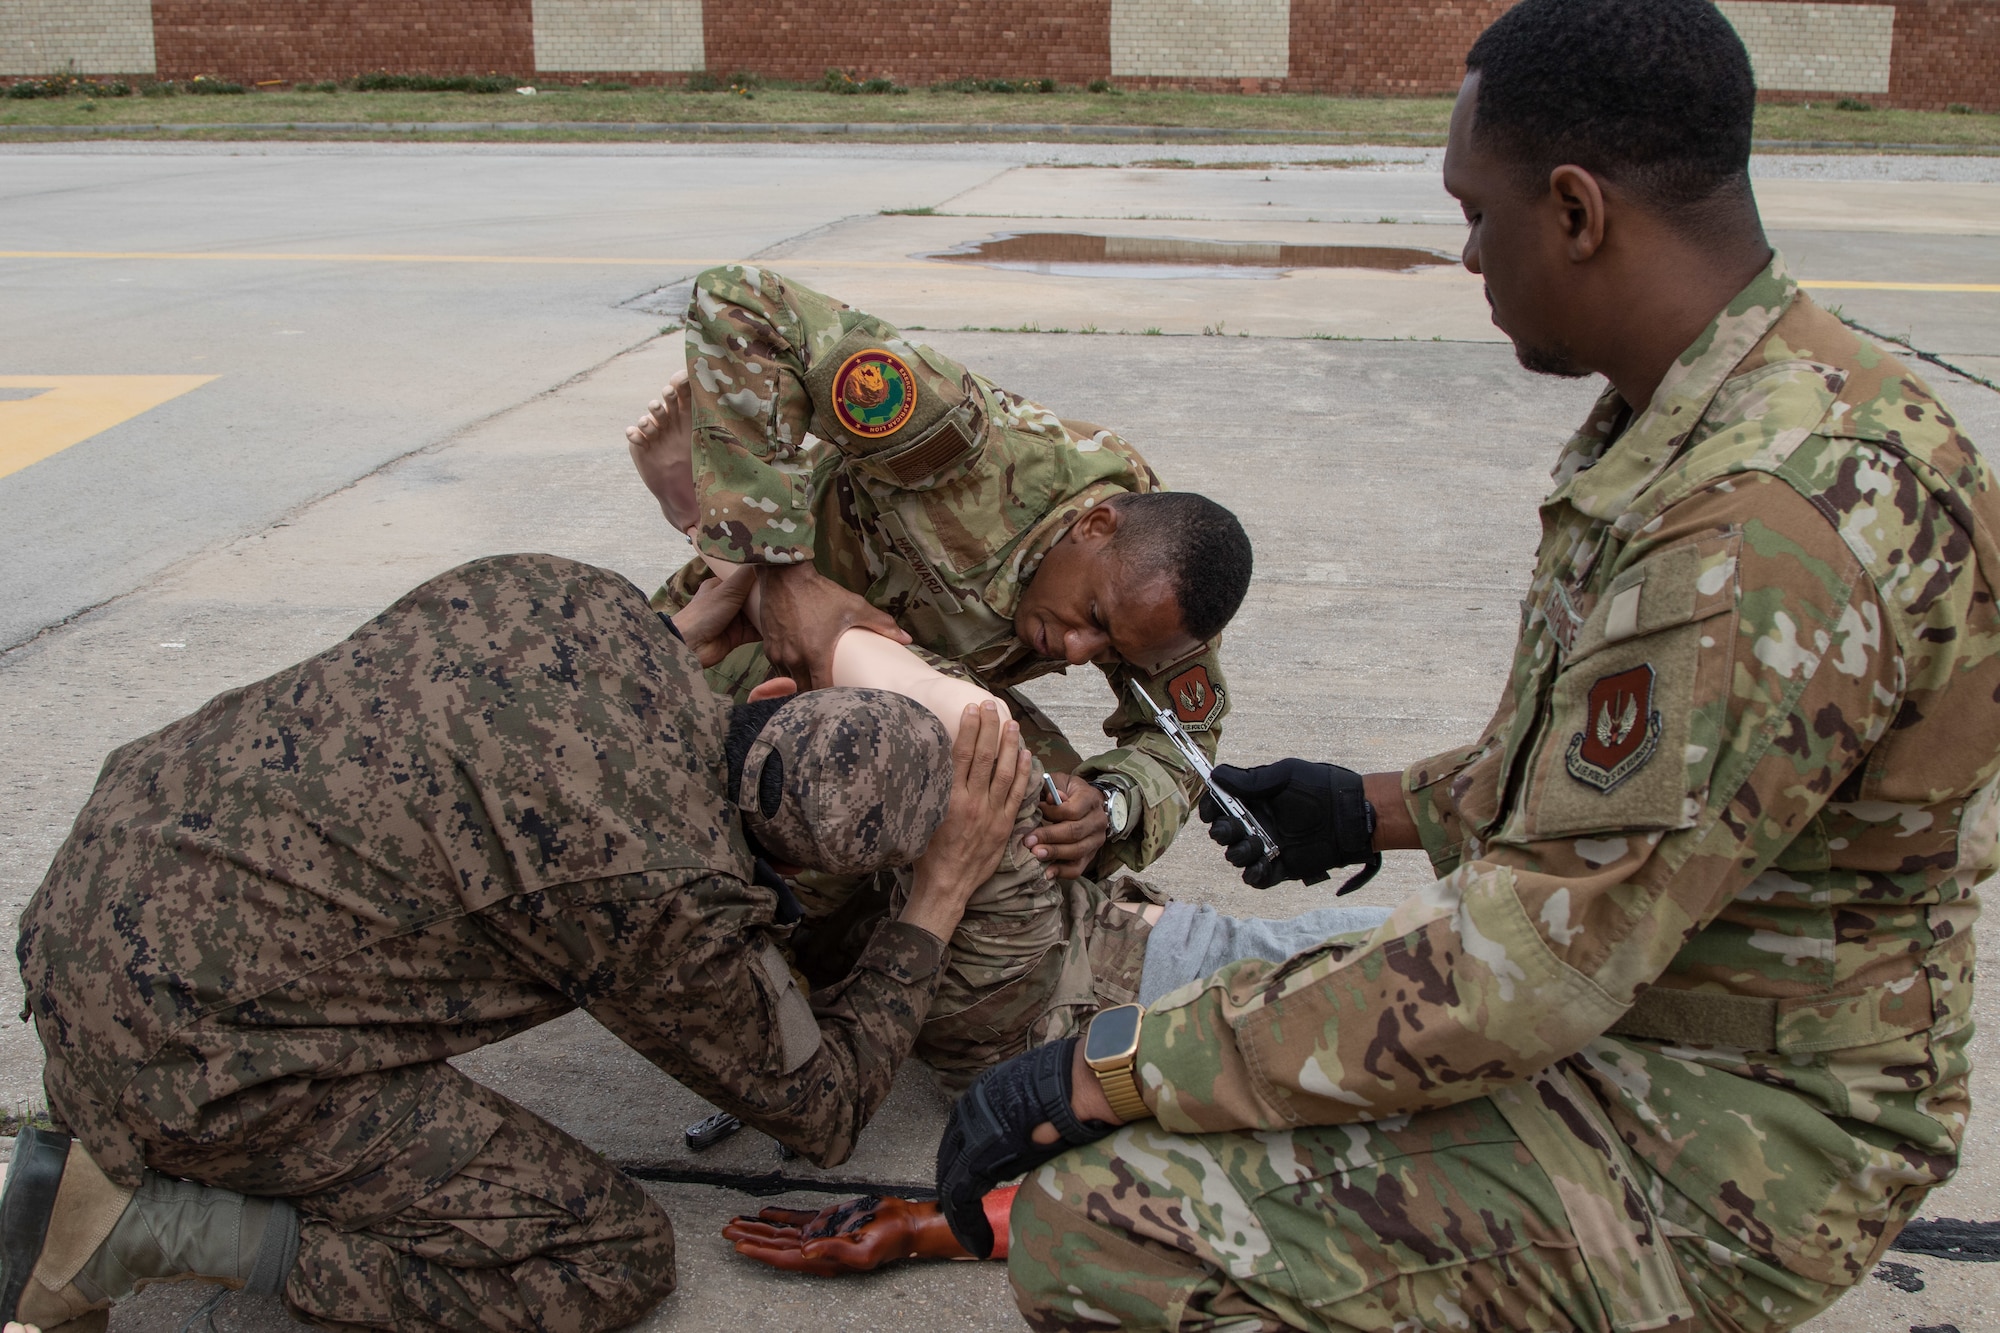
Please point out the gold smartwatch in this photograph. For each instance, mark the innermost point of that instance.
(1111, 1049)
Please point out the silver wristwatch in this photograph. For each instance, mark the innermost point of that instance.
(1117, 807)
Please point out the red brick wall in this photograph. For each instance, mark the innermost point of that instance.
(1385, 48)
(337, 39)
(912, 41)
(1946, 51)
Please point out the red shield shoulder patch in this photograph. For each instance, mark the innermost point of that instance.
(1195, 698)
(1621, 730)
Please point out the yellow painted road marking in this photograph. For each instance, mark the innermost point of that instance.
(72, 408)
(640, 261)
(1832, 285)
(252, 256)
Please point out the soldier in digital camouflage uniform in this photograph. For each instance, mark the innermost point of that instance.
(504, 798)
(936, 495)
(1679, 1037)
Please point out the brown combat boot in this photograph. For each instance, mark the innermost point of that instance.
(55, 1213)
(97, 1243)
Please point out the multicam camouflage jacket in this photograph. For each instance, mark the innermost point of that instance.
(937, 499)
(1716, 851)
(499, 800)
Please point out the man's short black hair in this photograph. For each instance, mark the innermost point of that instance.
(745, 721)
(1653, 95)
(1197, 543)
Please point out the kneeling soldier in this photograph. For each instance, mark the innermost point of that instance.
(1680, 1038)
(508, 796)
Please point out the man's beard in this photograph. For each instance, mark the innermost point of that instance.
(1557, 361)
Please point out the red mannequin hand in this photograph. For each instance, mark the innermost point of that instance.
(860, 1235)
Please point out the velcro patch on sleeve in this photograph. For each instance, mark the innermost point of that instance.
(1195, 698)
(875, 395)
(798, 1031)
(1611, 752)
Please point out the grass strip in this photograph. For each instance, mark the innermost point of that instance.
(1070, 113)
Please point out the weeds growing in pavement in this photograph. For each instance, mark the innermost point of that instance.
(62, 85)
(995, 86)
(847, 84)
(381, 81)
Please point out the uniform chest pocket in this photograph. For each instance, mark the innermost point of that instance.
(1627, 736)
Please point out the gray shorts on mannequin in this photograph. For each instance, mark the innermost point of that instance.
(1192, 942)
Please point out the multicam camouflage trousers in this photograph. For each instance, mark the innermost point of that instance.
(1031, 959)
(1515, 1212)
(427, 1201)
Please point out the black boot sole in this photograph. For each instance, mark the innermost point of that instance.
(33, 1178)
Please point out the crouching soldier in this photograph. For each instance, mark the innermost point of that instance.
(1004, 544)
(508, 796)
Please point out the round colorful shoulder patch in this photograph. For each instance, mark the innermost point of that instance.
(874, 393)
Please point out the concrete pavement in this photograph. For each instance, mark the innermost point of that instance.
(430, 412)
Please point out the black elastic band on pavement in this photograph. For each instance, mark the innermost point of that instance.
(764, 1184)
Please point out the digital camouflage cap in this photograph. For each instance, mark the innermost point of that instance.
(866, 776)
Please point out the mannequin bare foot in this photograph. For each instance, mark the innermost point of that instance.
(662, 447)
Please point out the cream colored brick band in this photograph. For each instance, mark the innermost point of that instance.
(41, 37)
(624, 35)
(1212, 39)
(1816, 48)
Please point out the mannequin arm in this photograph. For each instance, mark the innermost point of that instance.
(864, 659)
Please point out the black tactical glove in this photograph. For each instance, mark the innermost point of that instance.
(1316, 814)
(988, 1138)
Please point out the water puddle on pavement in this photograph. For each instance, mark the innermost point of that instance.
(1071, 254)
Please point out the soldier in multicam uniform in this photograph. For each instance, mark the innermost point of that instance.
(1005, 544)
(1679, 1039)
(508, 796)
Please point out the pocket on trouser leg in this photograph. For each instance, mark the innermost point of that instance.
(1155, 1230)
(1441, 1220)
(1083, 1254)
(1039, 993)
(990, 1026)
(1620, 1242)
(1115, 942)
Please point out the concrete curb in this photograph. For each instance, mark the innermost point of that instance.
(836, 129)
(815, 129)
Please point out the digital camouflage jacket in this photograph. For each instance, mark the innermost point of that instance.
(1716, 850)
(499, 800)
(935, 495)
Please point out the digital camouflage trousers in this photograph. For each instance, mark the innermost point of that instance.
(464, 1212)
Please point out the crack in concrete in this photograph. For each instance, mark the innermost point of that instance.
(1918, 352)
